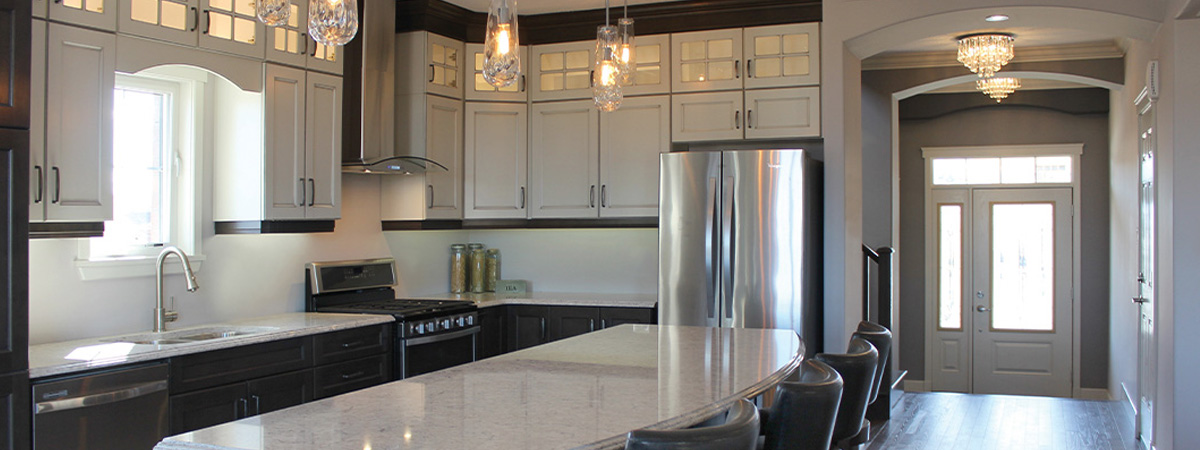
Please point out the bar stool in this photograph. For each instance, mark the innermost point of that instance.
(739, 432)
(881, 338)
(802, 416)
(857, 368)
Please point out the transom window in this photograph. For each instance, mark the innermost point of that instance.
(1056, 169)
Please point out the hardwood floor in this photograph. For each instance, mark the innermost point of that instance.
(937, 421)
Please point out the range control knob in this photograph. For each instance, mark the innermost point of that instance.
(430, 327)
(460, 321)
(470, 320)
(417, 328)
(446, 324)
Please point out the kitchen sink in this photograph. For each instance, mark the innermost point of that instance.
(192, 336)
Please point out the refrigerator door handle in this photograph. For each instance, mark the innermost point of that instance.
(728, 230)
(710, 246)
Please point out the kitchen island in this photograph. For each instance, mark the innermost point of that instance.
(582, 392)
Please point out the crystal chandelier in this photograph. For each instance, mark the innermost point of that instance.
(606, 78)
(502, 59)
(332, 22)
(998, 88)
(626, 57)
(985, 53)
(273, 13)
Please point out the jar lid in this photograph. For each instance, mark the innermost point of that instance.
(493, 251)
(457, 247)
(474, 246)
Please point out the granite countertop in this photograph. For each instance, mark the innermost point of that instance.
(583, 392)
(488, 299)
(60, 358)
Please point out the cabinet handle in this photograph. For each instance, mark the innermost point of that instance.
(195, 19)
(603, 324)
(749, 68)
(312, 199)
(522, 82)
(591, 324)
(430, 189)
(207, 20)
(38, 192)
(303, 193)
(245, 405)
(347, 376)
(543, 329)
(57, 184)
(737, 68)
(431, 70)
(737, 120)
(304, 38)
(604, 196)
(351, 344)
(315, 46)
(749, 118)
(257, 405)
(592, 197)
(522, 197)
(592, 78)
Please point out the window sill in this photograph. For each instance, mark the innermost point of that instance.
(133, 267)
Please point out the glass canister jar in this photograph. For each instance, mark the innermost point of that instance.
(477, 267)
(458, 268)
(492, 269)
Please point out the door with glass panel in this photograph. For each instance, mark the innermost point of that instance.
(1147, 371)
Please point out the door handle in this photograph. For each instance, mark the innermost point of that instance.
(312, 200)
(207, 20)
(431, 71)
(522, 82)
(347, 376)
(749, 118)
(1139, 300)
(257, 405)
(737, 120)
(729, 230)
(982, 308)
(543, 329)
(604, 196)
(195, 19)
(591, 324)
(430, 189)
(304, 38)
(57, 184)
(711, 245)
(750, 68)
(303, 192)
(38, 192)
(522, 197)
(737, 68)
(245, 406)
(592, 197)
(102, 398)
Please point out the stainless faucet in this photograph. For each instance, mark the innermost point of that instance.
(161, 315)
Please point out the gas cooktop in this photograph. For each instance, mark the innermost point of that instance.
(405, 309)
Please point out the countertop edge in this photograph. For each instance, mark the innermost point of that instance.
(164, 352)
(491, 299)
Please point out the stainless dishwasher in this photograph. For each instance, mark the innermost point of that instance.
(118, 409)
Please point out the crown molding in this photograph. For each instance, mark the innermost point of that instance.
(1069, 52)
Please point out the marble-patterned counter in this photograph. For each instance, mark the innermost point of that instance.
(488, 299)
(583, 392)
(60, 358)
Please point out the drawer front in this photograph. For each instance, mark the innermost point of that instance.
(353, 344)
(348, 376)
(203, 370)
(279, 391)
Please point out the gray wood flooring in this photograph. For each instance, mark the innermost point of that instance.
(937, 421)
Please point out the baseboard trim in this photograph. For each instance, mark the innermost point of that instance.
(915, 386)
(1094, 394)
(1129, 398)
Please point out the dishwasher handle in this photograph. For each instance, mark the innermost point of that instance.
(101, 398)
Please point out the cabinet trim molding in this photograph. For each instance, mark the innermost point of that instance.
(508, 224)
(273, 226)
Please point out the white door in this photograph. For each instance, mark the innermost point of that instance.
(323, 145)
(631, 139)
(494, 160)
(286, 181)
(1021, 297)
(564, 158)
(709, 116)
(444, 144)
(1147, 348)
(783, 113)
(81, 67)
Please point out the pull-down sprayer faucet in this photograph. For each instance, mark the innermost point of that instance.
(161, 315)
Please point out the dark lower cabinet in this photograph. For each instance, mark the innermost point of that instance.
(611, 317)
(278, 392)
(15, 411)
(527, 326)
(343, 377)
(530, 325)
(569, 321)
(213, 406)
(491, 339)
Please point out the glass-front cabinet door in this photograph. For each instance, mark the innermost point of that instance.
(706, 61)
(478, 88)
(652, 69)
(231, 26)
(168, 20)
(782, 56)
(562, 71)
(288, 43)
(100, 14)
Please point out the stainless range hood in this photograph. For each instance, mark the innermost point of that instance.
(369, 76)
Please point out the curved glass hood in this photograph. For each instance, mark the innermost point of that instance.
(395, 165)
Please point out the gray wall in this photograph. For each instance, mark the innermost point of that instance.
(1022, 125)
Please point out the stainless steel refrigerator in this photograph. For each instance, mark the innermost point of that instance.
(740, 241)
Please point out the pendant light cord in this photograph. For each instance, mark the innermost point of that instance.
(606, 13)
(626, 14)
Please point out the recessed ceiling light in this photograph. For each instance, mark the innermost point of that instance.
(996, 18)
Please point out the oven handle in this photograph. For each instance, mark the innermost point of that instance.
(441, 337)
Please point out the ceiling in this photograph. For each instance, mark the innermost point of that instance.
(549, 6)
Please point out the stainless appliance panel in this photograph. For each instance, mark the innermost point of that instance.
(689, 239)
(426, 354)
(123, 409)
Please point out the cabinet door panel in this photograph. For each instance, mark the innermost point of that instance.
(706, 61)
(281, 391)
(100, 14)
(477, 88)
(444, 144)
(238, 364)
(631, 139)
(567, 321)
(231, 26)
(782, 55)
(495, 160)
(352, 344)
(706, 117)
(168, 20)
(285, 180)
(14, 247)
(527, 326)
(491, 332)
(323, 146)
(14, 63)
(444, 65)
(15, 409)
(289, 43)
(563, 160)
(561, 71)
(37, 125)
(611, 317)
(780, 113)
(79, 122)
(349, 376)
(652, 66)
(208, 407)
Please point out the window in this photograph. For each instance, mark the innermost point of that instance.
(154, 171)
(1005, 170)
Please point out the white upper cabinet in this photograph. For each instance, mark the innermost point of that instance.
(652, 68)
(429, 126)
(290, 44)
(302, 145)
(429, 63)
(168, 20)
(561, 71)
(706, 61)
(495, 160)
(37, 122)
(708, 116)
(39, 8)
(783, 113)
(228, 26)
(631, 139)
(564, 156)
(477, 88)
(101, 14)
(323, 145)
(782, 56)
(77, 169)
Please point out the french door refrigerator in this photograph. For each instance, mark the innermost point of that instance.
(740, 241)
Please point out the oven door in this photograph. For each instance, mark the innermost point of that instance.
(426, 354)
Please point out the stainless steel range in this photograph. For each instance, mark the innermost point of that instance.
(430, 334)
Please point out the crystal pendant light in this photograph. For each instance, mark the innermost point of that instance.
(501, 52)
(626, 50)
(998, 88)
(332, 22)
(273, 13)
(606, 76)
